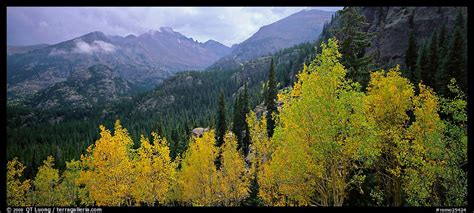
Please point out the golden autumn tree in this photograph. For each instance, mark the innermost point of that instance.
(198, 179)
(260, 152)
(154, 171)
(389, 97)
(323, 137)
(69, 190)
(175, 192)
(234, 178)
(46, 185)
(413, 150)
(107, 168)
(261, 147)
(424, 161)
(16, 189)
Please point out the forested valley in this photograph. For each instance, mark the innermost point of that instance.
(317, 124)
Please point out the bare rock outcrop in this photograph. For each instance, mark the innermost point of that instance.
(198, 132)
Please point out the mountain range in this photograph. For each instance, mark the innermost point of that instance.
(144, 61)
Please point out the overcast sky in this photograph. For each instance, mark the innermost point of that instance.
(228, 25)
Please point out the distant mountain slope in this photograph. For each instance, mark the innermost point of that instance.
(83, 89)
(300, 27)
(143, 60)
(216, 47)
(13, 49)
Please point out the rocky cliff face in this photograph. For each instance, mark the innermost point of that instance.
(392, 27)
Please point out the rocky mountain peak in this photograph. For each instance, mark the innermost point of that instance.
(94, 36)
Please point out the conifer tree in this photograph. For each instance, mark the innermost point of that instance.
(245, 125)
(253, 199)
(441, 76)
(270, 100)
(422, 63)
(353, 43)
(410, 58)
(433, 63)
(237, 120)
(221, 126)
(457, 57)
(260, 152)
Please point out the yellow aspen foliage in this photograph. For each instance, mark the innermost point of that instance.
(198, 181)
(16, 189)
(175, 193)
(234, 179)
(107, 171)
(261, 147)
(69, 190)
(425, 159)
(413, 151)
(322, 139)
(46, 185)
(154, 171)
(389, 98)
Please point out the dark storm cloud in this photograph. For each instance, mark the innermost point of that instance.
(229, 25)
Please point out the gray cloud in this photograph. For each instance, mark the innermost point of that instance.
(229, 25)
(95, 46)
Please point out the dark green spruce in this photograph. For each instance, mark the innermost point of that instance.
(457, 59)
(270, 100)
(221, 126)
(245, 125)
(433, 64)
(353, 41)
(441, 75)
(410, 59)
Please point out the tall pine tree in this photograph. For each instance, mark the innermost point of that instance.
(457, 59)
(245, 125)
(441, 75)
(353, 42)
(422, 62)
(237, 120)
(240, 126)
(221, 126)
(433, 63)
(410, 58)
(270, 100)
(254, 198)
